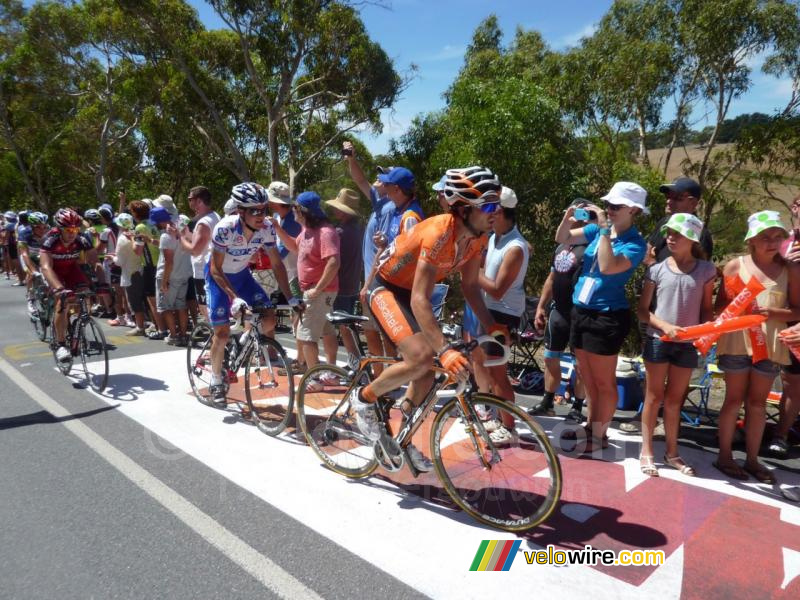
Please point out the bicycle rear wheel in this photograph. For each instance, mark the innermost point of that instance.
(513, 485)
(198, 361)
(94, 354)
(270, 395)
(329, 425)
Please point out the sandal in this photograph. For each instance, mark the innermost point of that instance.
(648, 465)
(733, 471)
(761, 473)
(314, 386)
(676, 462)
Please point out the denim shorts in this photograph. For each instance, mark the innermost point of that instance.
(678, 354)
(740, 363)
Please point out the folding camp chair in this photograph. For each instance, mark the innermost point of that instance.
(702, 389)
(525, 343)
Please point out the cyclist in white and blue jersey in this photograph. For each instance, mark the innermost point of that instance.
(229, 283)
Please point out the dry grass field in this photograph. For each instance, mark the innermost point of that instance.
(748, 193)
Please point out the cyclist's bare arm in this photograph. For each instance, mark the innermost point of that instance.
(217, 258)
(472, 292)
(421, 292)
(26, 258)
(46, 264)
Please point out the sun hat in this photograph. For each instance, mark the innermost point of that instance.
(628, 194)
(762, 220)
(439, 185)
(680, 185)
(164, 201)
(399, 176)
(311, 202)
(278, 192)
(508, 199)
(688, 225)
(124, 221)
(346, 201)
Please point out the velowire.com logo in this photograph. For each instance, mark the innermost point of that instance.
(495, 555)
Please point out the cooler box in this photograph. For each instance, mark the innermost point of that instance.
(629, 389)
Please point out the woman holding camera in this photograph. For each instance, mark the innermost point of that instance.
(601, 316)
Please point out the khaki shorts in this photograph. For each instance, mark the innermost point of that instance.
(314, 323)
(266, 279)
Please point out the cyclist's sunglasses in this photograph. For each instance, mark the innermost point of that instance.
(256, 212)
(71, 229)
(490, 207)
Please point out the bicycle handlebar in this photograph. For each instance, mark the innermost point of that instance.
(498, 361)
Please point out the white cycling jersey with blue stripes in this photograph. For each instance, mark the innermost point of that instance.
(228, 239)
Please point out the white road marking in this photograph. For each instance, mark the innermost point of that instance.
(248, 558)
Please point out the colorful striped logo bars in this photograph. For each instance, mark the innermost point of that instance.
(495, 555)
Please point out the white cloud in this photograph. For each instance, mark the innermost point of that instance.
(572, 39)
(448, 52)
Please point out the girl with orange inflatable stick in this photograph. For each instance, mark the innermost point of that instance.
(752, 358)
(683, 286)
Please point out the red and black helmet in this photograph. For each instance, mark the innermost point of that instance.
(66, 217)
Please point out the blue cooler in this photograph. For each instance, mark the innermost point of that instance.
(630, 390)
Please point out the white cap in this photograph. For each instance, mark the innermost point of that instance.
(230, 207)
(278, 192)
(628, 194)
(439, 185)
(508, 199)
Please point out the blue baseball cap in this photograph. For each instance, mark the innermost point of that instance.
(312, 203)
(399, 176)
(160, 215)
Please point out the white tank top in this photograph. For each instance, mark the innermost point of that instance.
(199, 262)
(513, 302)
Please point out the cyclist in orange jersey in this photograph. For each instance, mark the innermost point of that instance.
(400, 294)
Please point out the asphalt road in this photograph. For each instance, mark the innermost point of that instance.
(93, 505)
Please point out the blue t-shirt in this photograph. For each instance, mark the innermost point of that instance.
(381, 208)
(290, 226)
(610, 292)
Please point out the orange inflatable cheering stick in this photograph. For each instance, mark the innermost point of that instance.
(741, 302)
(717, 327)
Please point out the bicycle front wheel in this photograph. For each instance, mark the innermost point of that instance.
(329, 424)
(94, 355)
(510, 479)
(198, 361)
(269, 386)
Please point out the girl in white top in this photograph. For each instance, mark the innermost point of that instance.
(502, 282)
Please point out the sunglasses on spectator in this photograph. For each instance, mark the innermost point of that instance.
(489, 207)
(71, 229)
(614, 206)
(256, 212)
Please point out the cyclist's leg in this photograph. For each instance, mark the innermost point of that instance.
(395, 318)
(219, 311)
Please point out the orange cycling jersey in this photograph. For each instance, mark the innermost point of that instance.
(432, 241)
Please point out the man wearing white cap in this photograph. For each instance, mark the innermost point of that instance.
(502, 282)
(197, 242)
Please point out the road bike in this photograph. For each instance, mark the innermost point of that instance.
(85, 339)
(513, 485)
(44, 306)
(266, 393)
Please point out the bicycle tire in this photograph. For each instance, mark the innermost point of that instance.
(92, 344)
(329, 425)
(271, 408)
(515, 494)
(198, 361)
(40, 325)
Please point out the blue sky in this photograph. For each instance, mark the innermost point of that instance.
(433, 34)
